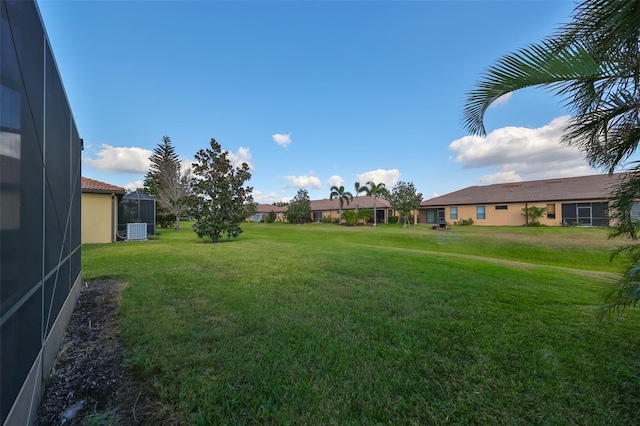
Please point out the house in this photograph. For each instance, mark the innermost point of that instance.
(576, 200)
(263, 210)
(329, 209)
(40, 192)
(99, 211)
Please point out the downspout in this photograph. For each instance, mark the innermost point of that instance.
(113, 218)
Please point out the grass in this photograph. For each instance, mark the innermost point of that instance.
(323, 324)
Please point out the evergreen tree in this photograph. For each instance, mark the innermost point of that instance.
(220, 197)
(405, 199)
(299, 210)
(167, 183)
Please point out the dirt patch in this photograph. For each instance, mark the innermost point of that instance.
(89, 382)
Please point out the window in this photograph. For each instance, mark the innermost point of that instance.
(453, 213)
(480, 214)
(551, 211)
(503, 207)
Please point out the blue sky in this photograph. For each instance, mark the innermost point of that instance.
(310, 94)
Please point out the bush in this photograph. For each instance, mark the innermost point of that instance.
(350, 217)
(393, 219)
(464, 222)
(271, 217)
(164, 219)
(533, 214)
(364, 214)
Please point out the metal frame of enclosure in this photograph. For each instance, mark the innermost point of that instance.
(137, 207)
(40, 152)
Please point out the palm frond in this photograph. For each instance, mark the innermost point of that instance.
(609, 134)
(547, 64)
(582, 61)
(624, 219)
(626, 293)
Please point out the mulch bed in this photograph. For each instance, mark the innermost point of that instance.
(89, 381)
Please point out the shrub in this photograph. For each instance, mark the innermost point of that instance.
(464, 222)
(271, 217)
(393, 219)
(350, 217)
(533, 214)
(164, 219)
(364, 214)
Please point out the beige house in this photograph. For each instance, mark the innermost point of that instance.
(99, 211)
(327, 208)
(579, 200)
(263, 210)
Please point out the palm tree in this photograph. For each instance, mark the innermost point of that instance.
(342, 196)
(359, 189)
(375, 190)
(593, 63)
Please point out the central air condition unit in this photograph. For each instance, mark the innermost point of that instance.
(136, 231)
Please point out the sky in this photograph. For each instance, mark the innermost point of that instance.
(310, 94)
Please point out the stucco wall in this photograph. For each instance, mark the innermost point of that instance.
(98, 218)
(511, 216)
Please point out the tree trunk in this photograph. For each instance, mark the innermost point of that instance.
(177, 223)
(375, 215)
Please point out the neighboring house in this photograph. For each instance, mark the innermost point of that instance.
(577, 200)
(327, 208)
(99, 211)
(40, 255)
(262, 211)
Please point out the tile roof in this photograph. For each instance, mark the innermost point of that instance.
(266, 208)
(594, 187)
(95, 186)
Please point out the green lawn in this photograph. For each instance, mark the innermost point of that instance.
(324, 324)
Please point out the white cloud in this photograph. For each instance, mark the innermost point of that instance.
(335, 180)
(243, 155)
(388, 177)
(262, 198)
(132, 186)
(519, 153)
(303, 182)
(501, 100)
(282, 139)
(500, 177)
(186, 166)
(120, 159)
(434, 195)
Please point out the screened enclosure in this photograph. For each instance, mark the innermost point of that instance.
(136, 207)
(586, 214)
(39, 210)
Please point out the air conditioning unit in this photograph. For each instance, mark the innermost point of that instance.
(136, 231)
